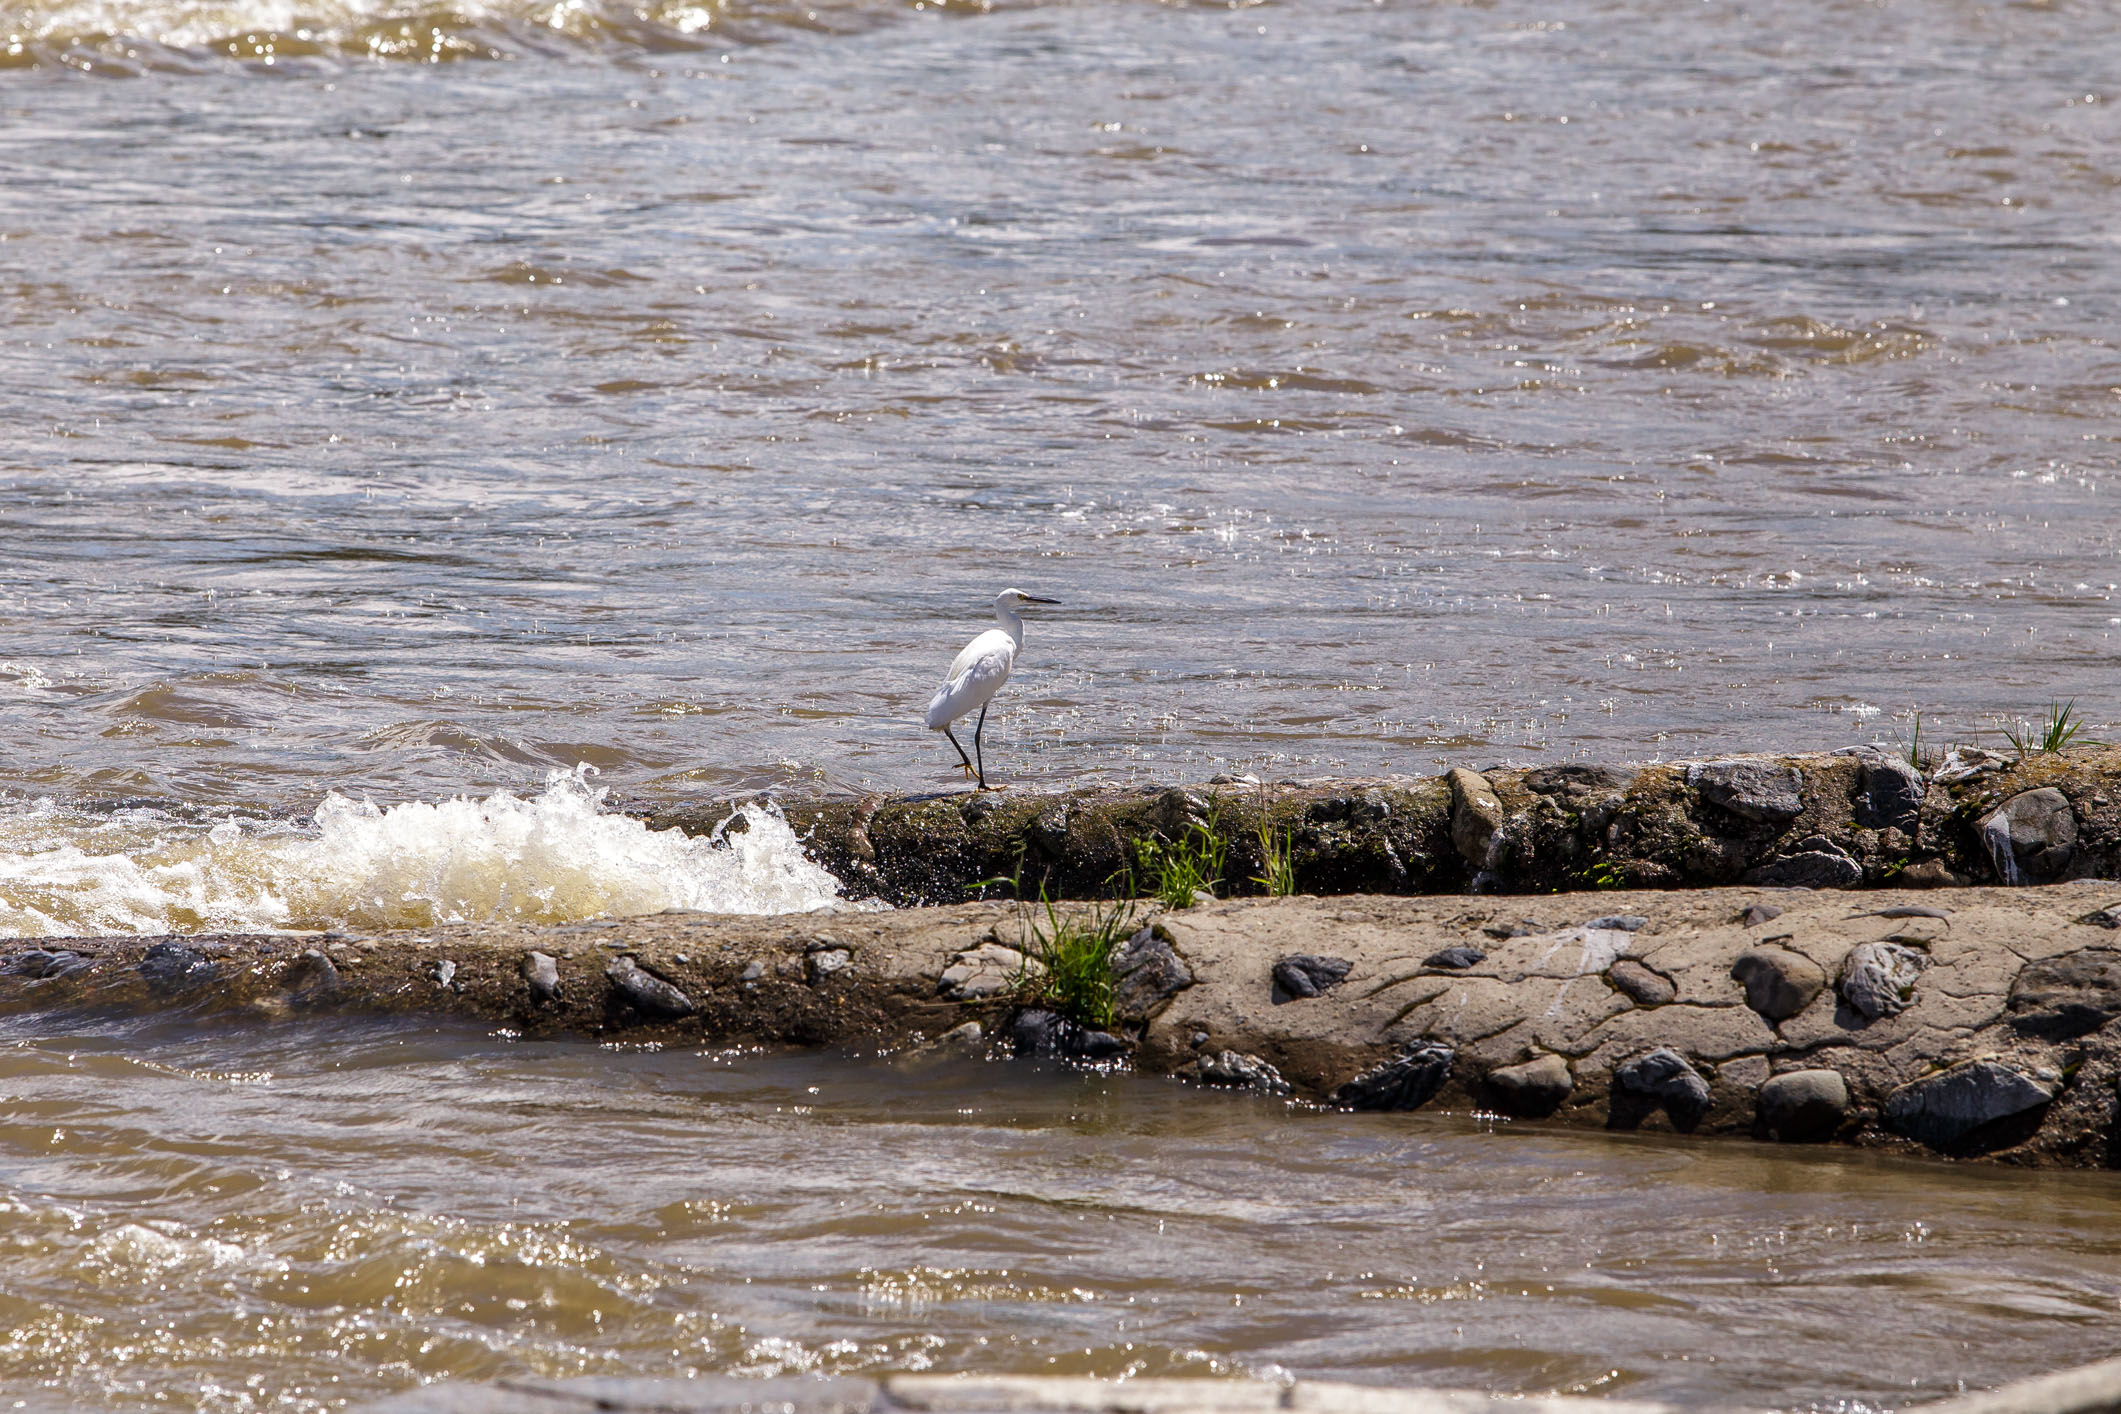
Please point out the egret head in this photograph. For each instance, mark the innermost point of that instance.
(1013, 598)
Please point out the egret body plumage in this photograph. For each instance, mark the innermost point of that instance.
(977, 674)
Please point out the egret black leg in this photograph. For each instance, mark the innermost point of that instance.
(960, 749)
(977, 749)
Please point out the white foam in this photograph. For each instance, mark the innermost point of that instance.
(553, 857)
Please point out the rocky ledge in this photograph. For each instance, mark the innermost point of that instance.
(1858, 818)
(1990, 1027)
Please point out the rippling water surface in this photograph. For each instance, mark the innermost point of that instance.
(300, 1217)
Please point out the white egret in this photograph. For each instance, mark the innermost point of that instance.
(977, 674)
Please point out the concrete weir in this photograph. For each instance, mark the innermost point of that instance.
(1981, 1022)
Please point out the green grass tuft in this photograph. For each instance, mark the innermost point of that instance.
(1075, 949)
(2057, 731)
(1174, 871)
(1277, 860)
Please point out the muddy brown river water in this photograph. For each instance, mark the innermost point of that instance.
(300, 1216)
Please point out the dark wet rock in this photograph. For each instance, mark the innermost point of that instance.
(1645, 984)
(1047, 1035)
(1476, 817)
(2060, 998)
(1891, 795)
(1663, 1078)
(312, 978)
(541, 972)
(1502, 932)
(1878, 979)
(820, 963)
(1406, 1082)
(2031, 836)
(1758, 913)
(1620, 922)
(1302, 975)
(1976, 1105)
(1778, 983)
(1814, 862)
(647, 993)
(2107, 917)
(1455, 958)
(1753, 790)
(1535, 1089)
(1146, 973)
(42, 965)
(172, 967)
(1802, 1106)
(1238, 1071)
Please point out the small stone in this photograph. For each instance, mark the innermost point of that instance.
(1664, 1077)
(1047, 1035)
(1535, 1089)
(1239, 1071)
(1198, 1039)
(825, 961)
(1803, 1106)
(1950, 1110)
(1476, 817)
(2061, 998)
(1892, 795)
(647, 992)
(1407, 1082)
(753, 970)
(2031, 836)
(1814, 862)
(1455, 958)
(1146, 973)
(541, 971)
(1620, 922)
(1778, 983)
(1501, 932)
(1304, 975)
(444, 973)
(968, 1041)
(1928, 874)
(170, 967)
(1753, 790)
(986, 971)
(1878, 979)
(1759, 913)
(1646, 985)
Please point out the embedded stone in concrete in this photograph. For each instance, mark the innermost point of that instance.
(444, 971)
(1454, 959)
(1620, 922)
(821, 962)
(1778, 983)
(1045, 1035)
(1753, 790)
(2031, 836)
(1803, 1106)
(1643, 983)
(1238, 1071)
(986, 971)
(312, 978)
(172, 967)
(2060, 998)
(1503, 932)
(542, 973)
(645, 991)
(1758, 913)
(2107, 917)
(1971, 1105)
(1534, 1089)
(1303, 975)
(1878, 979)
(1814, 862)
(1891, 795)
(1476, 817)
(1664, 1078)
(1147, 972)
(1406, 1082)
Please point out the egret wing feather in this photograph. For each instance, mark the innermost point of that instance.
(976, 675)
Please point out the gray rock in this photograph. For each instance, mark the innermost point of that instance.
(968, 1041)
(173, 967)
(2107, 917)
(1454, 958)
(822, 962)
(1878, 979)
(1047, 1035)
(311, 979)
(40, 965)
(445, 972)
(988, 970)
(1759, 913)
(1406, 1082)
(1620, 922)
(2060, 998)
(1502, 932)
(646, 992)
(1239, 1071)
(541, 971)
(1891, 796)
(1663, 1077)
(1778, 983)
(1303, 975)
(1814, 862)
(1969, 1106)
(1146, 973)
(1641, 982)
(2031, 836)
(1476, 817)
(1803, 1106)
(1753, 790)
(755, 969)
(1535, 1089)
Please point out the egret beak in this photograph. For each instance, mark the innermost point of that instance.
(1034, 599)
